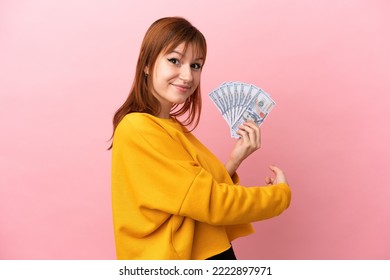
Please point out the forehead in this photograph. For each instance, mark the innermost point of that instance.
(190, 48)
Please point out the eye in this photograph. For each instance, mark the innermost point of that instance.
(174, 60)
(196, 66)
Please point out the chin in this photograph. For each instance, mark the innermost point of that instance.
(180, 100)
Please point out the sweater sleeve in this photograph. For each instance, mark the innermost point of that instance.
(158, 173)
(224, 204)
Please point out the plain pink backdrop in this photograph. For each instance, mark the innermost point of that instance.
(66, 66)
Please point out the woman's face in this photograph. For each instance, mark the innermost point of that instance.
(176, 75)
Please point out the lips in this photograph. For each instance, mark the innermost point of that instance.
(182, 88)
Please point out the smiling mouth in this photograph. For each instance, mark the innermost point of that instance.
(182, 88)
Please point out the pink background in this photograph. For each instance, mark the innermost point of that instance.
(66, 66)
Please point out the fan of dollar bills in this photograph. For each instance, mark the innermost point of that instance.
(239, 102)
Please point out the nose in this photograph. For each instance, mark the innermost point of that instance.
(186, 73)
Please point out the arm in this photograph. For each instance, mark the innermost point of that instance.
(223, 204)
(152, 173)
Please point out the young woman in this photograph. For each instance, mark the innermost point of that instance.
(171, 197)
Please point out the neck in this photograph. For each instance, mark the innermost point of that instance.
(165, 111)
(164, 114)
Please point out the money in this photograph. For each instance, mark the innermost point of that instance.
(238, 102)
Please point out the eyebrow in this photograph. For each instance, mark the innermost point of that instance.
(179, 53)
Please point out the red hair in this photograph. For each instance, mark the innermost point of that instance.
(164, 35)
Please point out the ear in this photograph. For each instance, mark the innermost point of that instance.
(146, 70)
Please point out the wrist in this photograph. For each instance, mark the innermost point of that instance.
(231, 166)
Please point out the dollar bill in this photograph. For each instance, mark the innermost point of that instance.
(238, 102)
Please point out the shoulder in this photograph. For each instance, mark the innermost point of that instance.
(137, 119)
(135, 129)
(148, 126)
(137, 122)
(144, 130)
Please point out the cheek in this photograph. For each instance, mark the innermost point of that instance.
(165, 75)
(159, 78)
(196, 77)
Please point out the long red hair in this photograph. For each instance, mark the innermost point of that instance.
(164, 35)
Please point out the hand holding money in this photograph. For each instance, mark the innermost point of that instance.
(249, 142)
(239, 102)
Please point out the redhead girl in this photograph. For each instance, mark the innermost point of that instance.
(171, 197)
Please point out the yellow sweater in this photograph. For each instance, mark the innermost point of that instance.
(173, 199)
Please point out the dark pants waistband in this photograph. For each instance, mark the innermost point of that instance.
(226, 255)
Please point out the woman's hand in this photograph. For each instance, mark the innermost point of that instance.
(279, 176)
(249, 142)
